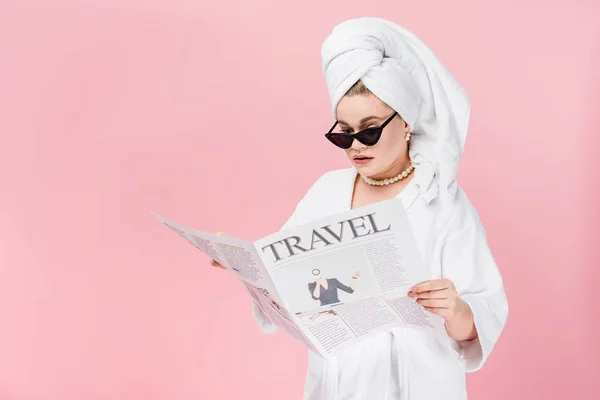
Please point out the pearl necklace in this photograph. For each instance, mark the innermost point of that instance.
(397, 178)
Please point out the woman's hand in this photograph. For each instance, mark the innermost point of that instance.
(215, 263)
(356, 275)
(439, 296)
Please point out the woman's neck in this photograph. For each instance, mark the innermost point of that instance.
(399, 166)
(364, 194)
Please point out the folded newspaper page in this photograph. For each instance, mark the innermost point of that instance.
(333, 281)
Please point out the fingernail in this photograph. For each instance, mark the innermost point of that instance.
(410, 294)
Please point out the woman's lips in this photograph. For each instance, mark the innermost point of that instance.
(362, 160)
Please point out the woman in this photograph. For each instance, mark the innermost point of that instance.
(402, 119)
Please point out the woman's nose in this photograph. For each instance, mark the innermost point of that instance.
(358, 146)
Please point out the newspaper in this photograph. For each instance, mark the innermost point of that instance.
(334, 281)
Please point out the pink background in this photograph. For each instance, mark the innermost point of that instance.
(213, 114)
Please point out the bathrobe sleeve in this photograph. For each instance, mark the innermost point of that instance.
(264, 323)
(468, 262)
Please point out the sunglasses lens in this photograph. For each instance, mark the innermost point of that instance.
(369, 137)
(341, 141)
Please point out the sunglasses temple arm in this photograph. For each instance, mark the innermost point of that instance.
(331, 129)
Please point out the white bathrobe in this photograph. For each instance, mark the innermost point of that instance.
(404, 363)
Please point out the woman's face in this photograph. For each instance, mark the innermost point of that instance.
(390, 153)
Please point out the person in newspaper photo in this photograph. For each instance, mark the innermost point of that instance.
(326, 289)
(402, 118)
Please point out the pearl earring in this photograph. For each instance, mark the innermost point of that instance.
(407, 136)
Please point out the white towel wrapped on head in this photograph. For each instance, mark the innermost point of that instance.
(398, 68)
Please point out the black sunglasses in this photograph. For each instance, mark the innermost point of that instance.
(368, 137)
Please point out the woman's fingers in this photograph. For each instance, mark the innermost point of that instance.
(442, 312)
(435, 294)
(432, 285)
(434, 303)
(438, 296)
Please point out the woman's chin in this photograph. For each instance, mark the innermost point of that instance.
(366, 170)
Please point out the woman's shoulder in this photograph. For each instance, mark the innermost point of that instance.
(334, 178)
(328, 183)
(323, 197)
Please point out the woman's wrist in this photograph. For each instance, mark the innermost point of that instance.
(461, 325)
